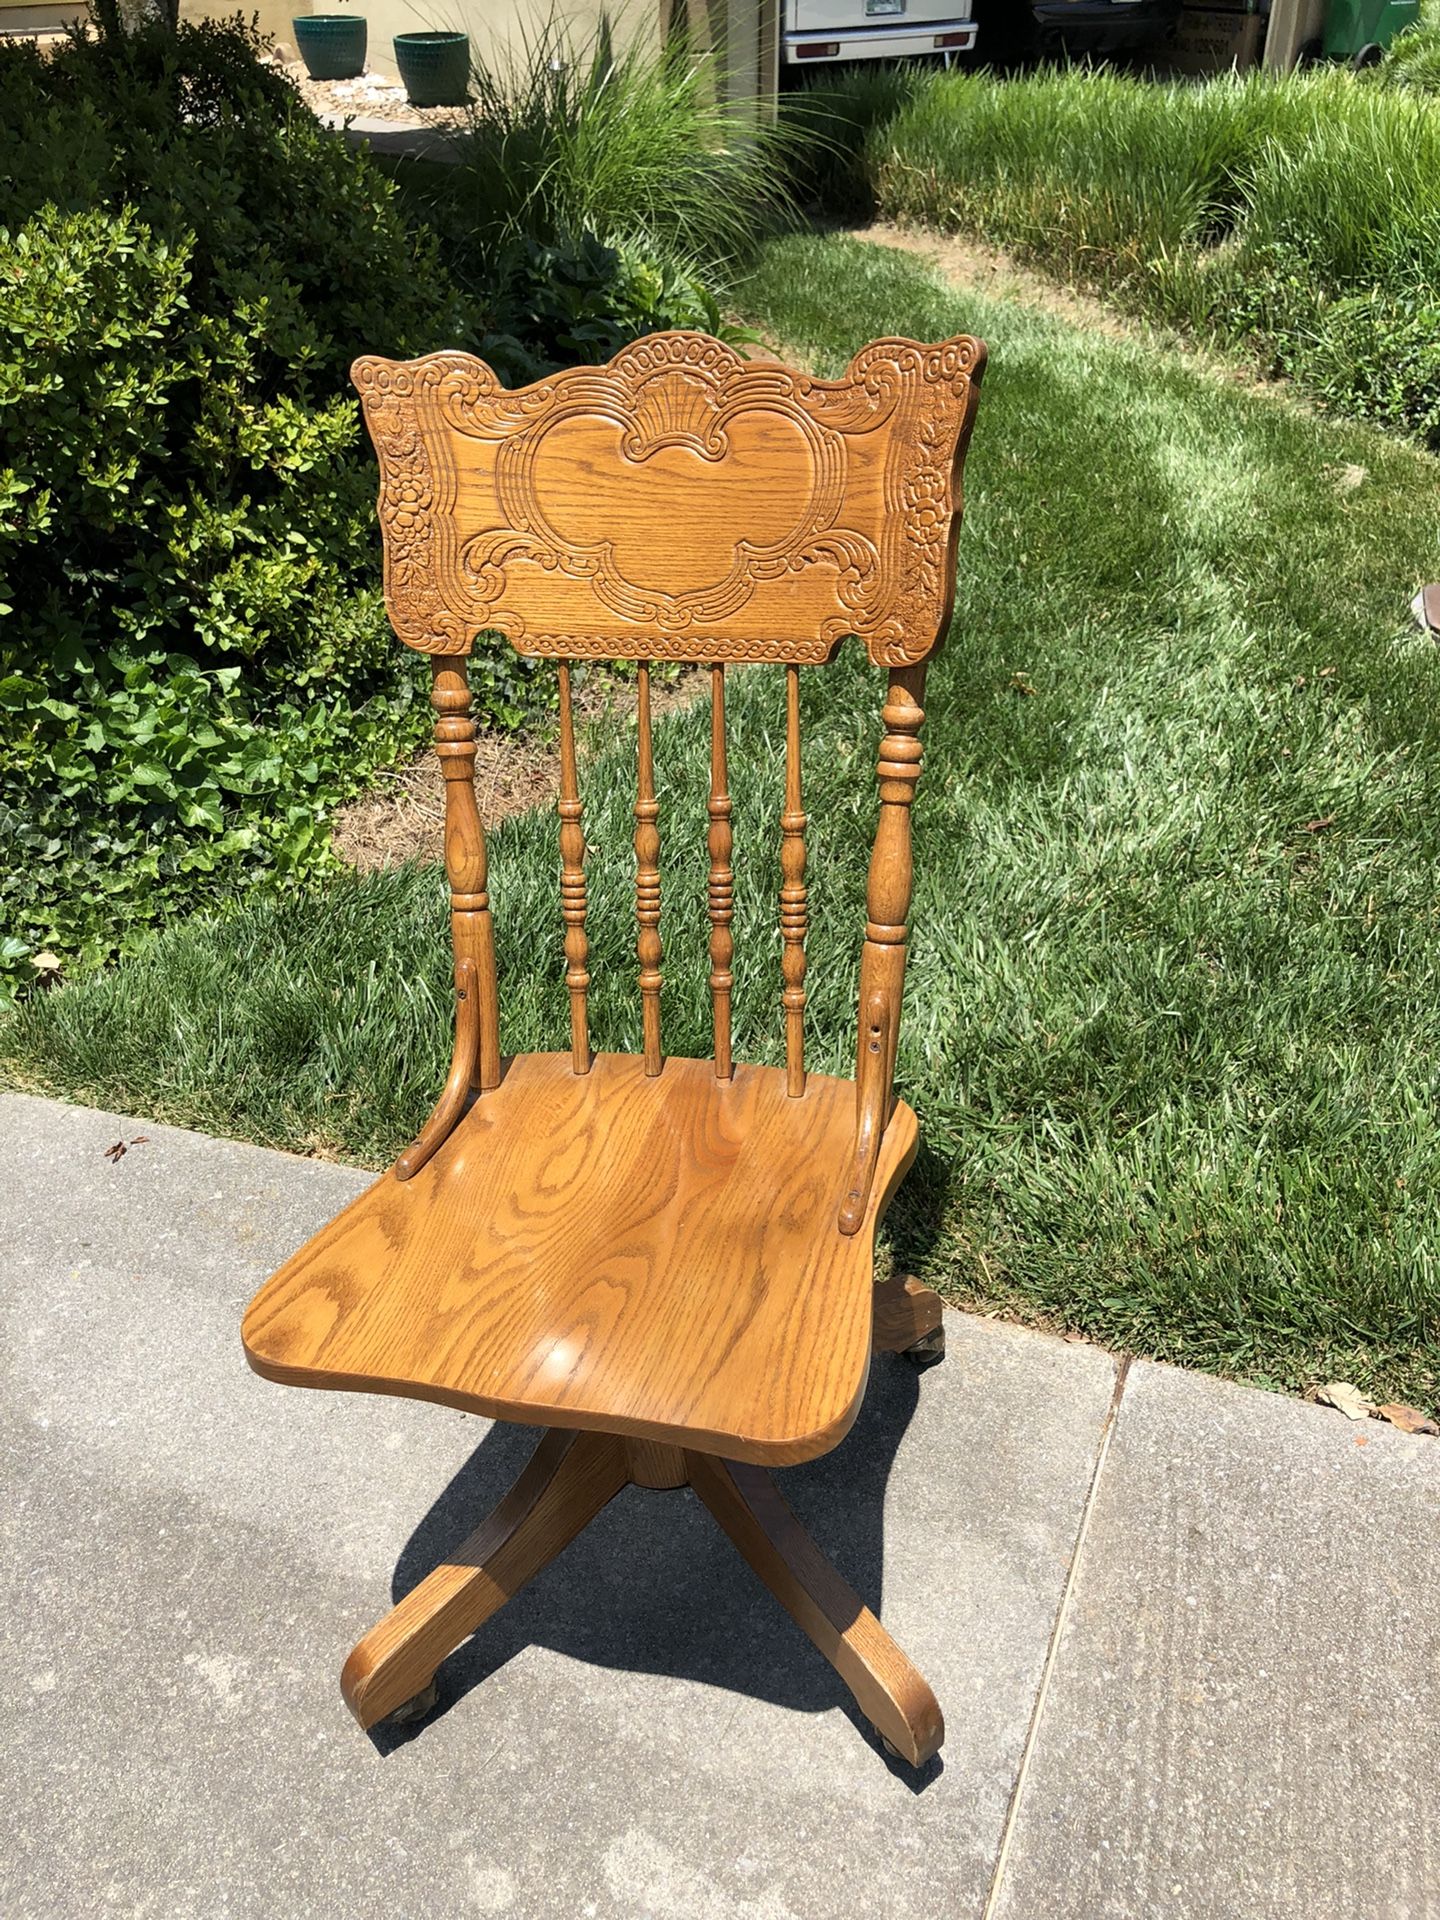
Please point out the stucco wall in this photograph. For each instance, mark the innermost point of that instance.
(275, 15)
(493, 25)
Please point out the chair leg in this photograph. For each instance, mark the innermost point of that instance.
(909, 1319)
(569, 1478)
(889, 1691)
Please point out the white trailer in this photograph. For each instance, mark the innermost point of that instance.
(814, 32)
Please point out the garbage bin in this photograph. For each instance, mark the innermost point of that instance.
(1360, 30)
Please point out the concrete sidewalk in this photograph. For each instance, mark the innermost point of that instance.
(1185, 1634)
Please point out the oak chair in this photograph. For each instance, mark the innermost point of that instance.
(665, 1263)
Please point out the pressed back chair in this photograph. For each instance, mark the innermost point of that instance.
(666, 1263)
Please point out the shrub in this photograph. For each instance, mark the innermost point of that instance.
(582, 300)
(194, 663)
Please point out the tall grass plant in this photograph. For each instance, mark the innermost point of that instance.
(632, 143)
(1298, 215)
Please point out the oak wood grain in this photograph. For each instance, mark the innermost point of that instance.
(568, 1480)
(794, 911)
(906, 1312)
(472, 930)
(654, 1466)
(665, 1262)
(888, 888)
(680, 503)
(652, 1257)
(720, 893)
(647, 876)
(451, 1104)
(572, 882)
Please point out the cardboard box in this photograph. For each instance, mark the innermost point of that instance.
(1214, 39)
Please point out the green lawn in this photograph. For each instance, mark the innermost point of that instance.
(1172, 1041)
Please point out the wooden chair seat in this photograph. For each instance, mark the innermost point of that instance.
(652, 1257)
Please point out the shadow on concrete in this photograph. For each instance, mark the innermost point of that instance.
(654, 1586)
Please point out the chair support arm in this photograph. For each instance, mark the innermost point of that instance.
(872, 1108)
(451, 1104)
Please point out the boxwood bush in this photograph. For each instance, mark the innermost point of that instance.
(193, 661)
(195, 668)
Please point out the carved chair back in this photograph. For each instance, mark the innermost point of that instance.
(681, 503)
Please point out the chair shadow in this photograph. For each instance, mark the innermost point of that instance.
(654, 1586)
(918, 1211)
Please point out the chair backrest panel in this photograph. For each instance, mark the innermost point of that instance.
(679, 504)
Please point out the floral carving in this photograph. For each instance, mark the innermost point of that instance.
(557, 515)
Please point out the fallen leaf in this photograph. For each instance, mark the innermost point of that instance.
(1345, 1398)
(1348, 477)
(1408, 1419)
(117, 1152)
(45, 961)
(1319, 826)
(141, 1140)
(1020, 683)
(1076, 1339)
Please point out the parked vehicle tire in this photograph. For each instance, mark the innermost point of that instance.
(1009, 32)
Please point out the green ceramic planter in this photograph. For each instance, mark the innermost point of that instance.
(435, 67)
(332, 45)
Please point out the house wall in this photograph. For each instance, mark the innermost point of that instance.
(494, 26)
(743, 33)
(1292, 24)
(275, 16)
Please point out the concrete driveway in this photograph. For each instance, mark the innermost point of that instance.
(1184, 1633)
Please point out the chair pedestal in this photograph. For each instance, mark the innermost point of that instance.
(568, 1480)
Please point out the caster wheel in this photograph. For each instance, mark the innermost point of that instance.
(416, 1708)
(928, 1350)
(890, 1748)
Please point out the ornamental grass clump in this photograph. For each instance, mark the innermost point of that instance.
(632, 144)
(1296, 216)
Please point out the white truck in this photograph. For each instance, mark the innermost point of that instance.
(816, 31)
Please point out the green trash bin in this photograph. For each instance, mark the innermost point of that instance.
(1360, 30)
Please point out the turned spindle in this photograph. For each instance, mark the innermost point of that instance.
(647, 879)
(887, 909)
(572, 882)
(719, 843)
(793, 912)
(471, 927)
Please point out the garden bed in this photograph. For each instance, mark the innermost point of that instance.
(371, 96)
